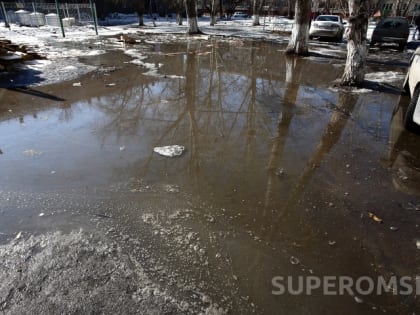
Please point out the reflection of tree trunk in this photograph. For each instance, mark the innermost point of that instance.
(356, 43)
(298, 42)
(293, 70)
(251, 132)
(331, 136)
(191, 77)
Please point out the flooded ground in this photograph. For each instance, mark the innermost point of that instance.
(284, 174)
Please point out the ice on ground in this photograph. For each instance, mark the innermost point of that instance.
(170, 150)
(385, 77)
(44, 273)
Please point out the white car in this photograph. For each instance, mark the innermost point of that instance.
(331, 26)
(412, 86)
(240, 15)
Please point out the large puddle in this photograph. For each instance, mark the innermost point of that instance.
(280, 172)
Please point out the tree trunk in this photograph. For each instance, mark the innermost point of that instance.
(298, 42)
(140, 12)
(179, 7)
(405, 13)
(256, 8)
(191, 7)
(289, 8)
(328, 7)
(396, 9)
(354, 71)
(213, 12)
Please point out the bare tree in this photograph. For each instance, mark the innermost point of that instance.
(212, 7)
(140, 12)
(396, 8)
(256, 8)
(290, 8)
(179, 7)
(191, 7)
(405, 13)
(298, 42)
(354, 71)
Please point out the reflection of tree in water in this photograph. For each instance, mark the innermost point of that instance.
(222, 101)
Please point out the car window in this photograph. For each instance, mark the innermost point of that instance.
(328, 18)
(391, 24)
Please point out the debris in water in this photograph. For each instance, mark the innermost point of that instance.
(170, 150)
(110, 85)
(18, 236)
(418, 244)
(122, 148)
(31, 153)
(41, 214)
(281, 172)
(393, 228)
(294, 260)
(358, 300)
(331, 243)
(77, 84)
(375, 218)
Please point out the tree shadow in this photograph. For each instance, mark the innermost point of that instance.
(30, 91)
(20, 77)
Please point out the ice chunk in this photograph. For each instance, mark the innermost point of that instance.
(170, 150)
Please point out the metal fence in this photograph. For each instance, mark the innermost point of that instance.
(53, 14)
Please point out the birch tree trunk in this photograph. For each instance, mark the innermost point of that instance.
(191, 7)
(256, 8)
(213, 12)
(298, 42)
(354, 71)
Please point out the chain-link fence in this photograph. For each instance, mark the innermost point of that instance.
(39, 14)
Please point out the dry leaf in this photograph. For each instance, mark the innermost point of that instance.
(375, 218)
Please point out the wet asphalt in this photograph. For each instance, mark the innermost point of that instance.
(285, 174)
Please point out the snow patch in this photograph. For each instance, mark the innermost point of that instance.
(385, 77)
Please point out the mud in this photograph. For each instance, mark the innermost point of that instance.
(280, 174)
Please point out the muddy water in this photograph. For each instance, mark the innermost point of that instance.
(280, 172)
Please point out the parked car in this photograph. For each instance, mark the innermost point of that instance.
(240, 15)
(393, 29)
(404, 153)
(327, 26)
(412, 87)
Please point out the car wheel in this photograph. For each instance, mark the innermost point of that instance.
(311, 37)
(372, 43)
(409, 124)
